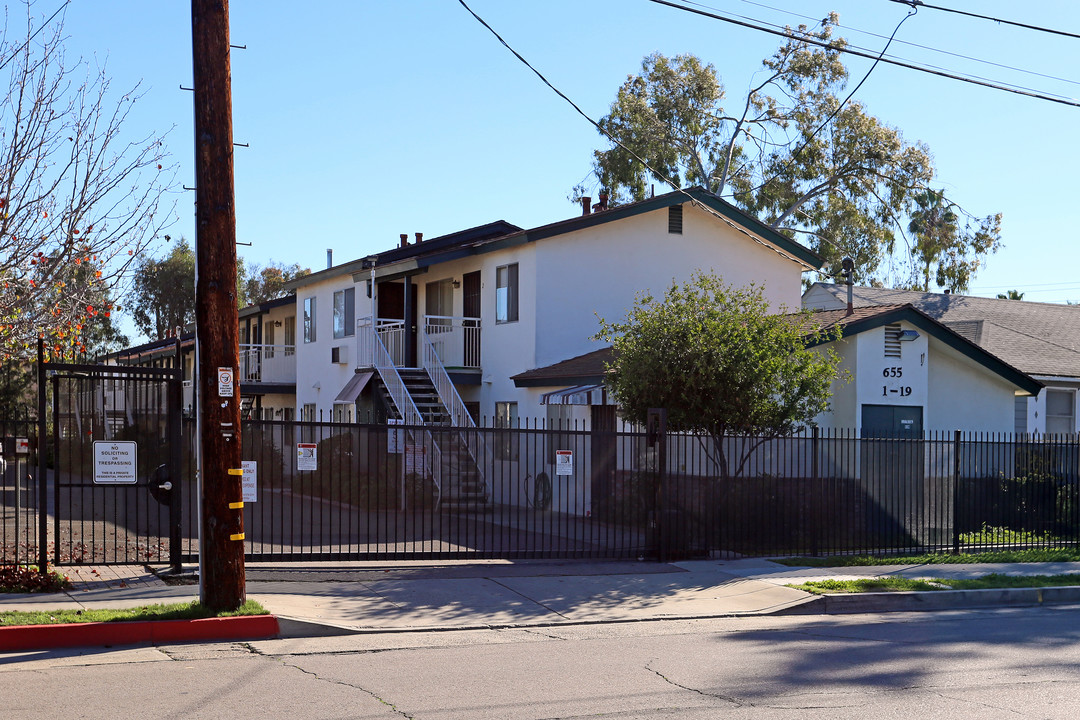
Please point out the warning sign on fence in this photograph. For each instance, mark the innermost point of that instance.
(115, 463)
(564, 462)
(307, 456)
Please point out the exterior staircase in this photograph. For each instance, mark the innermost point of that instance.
(462, 487)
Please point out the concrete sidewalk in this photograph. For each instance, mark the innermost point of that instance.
(333, 598)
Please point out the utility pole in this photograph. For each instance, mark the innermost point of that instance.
(221, 551)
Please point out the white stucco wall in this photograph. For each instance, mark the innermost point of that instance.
(318, 380)
(967, 397)
(954, 391)
(601, 269)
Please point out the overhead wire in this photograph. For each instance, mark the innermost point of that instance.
(1038, 28)
(930, 70)
(908, 43)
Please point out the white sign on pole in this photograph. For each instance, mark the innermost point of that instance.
(249, 481)
(115, 462)
(307, 456)
(564, 462)
(22, 446)
(225, 382)
(395, 437)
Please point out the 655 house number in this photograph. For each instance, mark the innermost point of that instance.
(901, 390)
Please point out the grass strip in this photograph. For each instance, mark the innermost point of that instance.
(903, 584)
(172, 611)
(1001, 556)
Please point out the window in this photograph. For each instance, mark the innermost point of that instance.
(674, 220)
(506, 293)
(439, 306)
(345, 313)
(1020, 418)
(309, 320)
(307, 413)
(268, 339)
(1059, 412)
(506, 445)
(290, 335)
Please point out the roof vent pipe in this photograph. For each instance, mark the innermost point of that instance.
(419, 238)
(329, 258)
(848, 272)
(586, 205)
(404, 239)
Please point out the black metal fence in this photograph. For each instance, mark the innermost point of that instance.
(352, 491)
(334, 491)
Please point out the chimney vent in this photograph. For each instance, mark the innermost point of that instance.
(602, 205)
(404, 239)
(586, 205)
(419, 238)
(329, 258)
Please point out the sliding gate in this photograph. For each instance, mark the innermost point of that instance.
(112, 463)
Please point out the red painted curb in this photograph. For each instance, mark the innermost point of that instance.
(44, 637)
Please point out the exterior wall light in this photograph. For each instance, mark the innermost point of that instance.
(908, 335)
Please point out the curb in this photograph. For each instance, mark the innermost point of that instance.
(45, 637)
(913, 601)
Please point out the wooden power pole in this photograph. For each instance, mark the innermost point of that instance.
(221, 548)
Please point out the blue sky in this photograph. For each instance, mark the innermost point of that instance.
(370, 119)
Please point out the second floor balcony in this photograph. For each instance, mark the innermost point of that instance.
(267, 363)
(456, 341)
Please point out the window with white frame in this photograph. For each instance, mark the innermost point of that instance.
(1060, 412)
(268, 339)
(506, 293)
(345, 313)
(290, 335)
(309, 320)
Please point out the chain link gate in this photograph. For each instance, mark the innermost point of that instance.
(111, 468)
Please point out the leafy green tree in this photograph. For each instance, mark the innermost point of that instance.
(163, 292)
(261, 284)
(939, 241)
(1014, 295)
(791, 153)
(720, 363)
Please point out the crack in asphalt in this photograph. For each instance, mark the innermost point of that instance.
(364, 690)
(726, 698)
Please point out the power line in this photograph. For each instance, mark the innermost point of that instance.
(35, 34)
(910, 66)
(919, 3)
(908, 43)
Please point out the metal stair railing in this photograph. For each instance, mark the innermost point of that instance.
(384, 364)
(459, 415)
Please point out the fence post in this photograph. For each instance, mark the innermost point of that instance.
(656, 435)
(956, 494)
(43, 485)
(173, 404)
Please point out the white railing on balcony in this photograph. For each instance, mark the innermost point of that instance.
(268, 363)
(390, 333)
(456, 340)
(451, 400)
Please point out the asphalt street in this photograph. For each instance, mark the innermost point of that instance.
(1011, 662)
